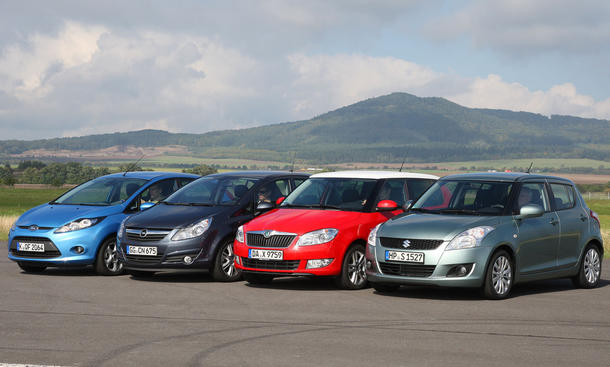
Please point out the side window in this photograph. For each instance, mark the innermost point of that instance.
(416, 187)
(272, 191)
(532, 194)
(298, 181)
(564, 196)
(395, 190)
(159, 191)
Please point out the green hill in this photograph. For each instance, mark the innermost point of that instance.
(382, 129)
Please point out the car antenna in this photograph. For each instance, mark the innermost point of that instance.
(403, 161)
(293, 158)
(530, 167)
(133, 165)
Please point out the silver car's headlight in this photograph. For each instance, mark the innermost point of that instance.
(78, 225)
(239, 236)
(192, 231)
(317, 237)
(373, 235)
(469, 238)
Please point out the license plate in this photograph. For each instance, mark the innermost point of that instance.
(30, 246)
(404, 256)
(142, 250)
(265, 254)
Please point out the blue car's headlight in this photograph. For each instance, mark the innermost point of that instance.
(13, 227)
(469, 238)
(79, 224)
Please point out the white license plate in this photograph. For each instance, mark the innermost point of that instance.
(30, 246)
(142, 250)
(404, 256)
(265, 254)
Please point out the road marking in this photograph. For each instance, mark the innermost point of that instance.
(25, 365)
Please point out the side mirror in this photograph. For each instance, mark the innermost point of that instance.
(530, 211)
(263, 207)
(386, 205)
(407, 205)
(145, 206)
(280, 200)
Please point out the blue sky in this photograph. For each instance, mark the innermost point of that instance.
(74, 68)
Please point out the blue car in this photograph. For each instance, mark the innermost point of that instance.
(79, 228)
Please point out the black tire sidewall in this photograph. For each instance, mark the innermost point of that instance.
(217, 273)
(488, 288)
(100, 265)
(581, 279)
(343, 279)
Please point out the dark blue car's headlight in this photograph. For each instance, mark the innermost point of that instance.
(79, 224)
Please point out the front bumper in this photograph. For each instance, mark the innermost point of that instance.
(60, 248)
(170, 254)
(435, 269)
(294, 261)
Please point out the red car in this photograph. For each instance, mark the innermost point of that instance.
(321, 228)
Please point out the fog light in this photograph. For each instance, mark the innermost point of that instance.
(78, 249)
(369, 264)
(188, 260)
(318, 263)
(460, 270)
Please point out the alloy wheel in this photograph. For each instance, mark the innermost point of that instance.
(501, 275)
(111, 259)
(592, 266)
(356, 268)
(228, 260)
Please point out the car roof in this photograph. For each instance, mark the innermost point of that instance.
(149, 175)
(259, 174)
(373, 175)
(504, 176)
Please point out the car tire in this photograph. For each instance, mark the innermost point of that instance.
(499, 276)
(107, 260)
(258, 278)
(385, 288)
(30, 268)
(590, 269)
(140, 273)
(353, 270)
(224, 269)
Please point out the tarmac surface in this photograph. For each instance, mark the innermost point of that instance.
(76, 318)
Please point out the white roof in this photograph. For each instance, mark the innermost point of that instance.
(372, 175)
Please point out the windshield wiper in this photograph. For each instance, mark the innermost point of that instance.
(422, 210)
(459, 211)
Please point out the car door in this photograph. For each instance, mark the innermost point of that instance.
(538, 238)
(573, 222)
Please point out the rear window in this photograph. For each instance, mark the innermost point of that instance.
(563, 196)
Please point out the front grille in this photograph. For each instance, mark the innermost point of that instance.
(38, 228)
(50, 250)
(278, 240)
(414, 244)
(135, 234)
(406, 270)
(271, 264)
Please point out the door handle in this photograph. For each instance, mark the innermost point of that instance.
(554, 221)
(583, 217)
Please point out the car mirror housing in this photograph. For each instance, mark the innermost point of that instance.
(530, 211)
(263, 207)
(386, 205)
(145, 206)
(280, 200)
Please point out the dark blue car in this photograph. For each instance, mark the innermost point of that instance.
(79, 228)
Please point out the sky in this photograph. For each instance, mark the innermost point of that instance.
(73, 68)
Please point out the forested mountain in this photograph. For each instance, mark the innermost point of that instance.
(382, 129)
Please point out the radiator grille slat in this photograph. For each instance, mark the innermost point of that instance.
(271, 264)
(414, 244)
(278, 241)
(407, 270)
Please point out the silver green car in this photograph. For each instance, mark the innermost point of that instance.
(490, 231)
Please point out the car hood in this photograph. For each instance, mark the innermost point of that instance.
(164, 216)
(301, 221)
(433, 226)
(55, 215)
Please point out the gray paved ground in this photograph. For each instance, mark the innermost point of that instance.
(73, 317)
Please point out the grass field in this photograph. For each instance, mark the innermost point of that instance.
(15, 201)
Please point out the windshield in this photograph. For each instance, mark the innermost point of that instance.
(102, 191)
(212, 191)
(333, 193)
(465, 197)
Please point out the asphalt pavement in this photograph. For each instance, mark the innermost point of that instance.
(76, 318)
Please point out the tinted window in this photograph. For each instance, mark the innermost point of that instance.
(532, 194)
(272, 191)
(401, 190)
(465, 197)
(213, 191)
(564, 196)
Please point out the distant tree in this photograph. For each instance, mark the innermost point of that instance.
(27, 164)
(202, 170)
(130, 167)
(6, 175)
